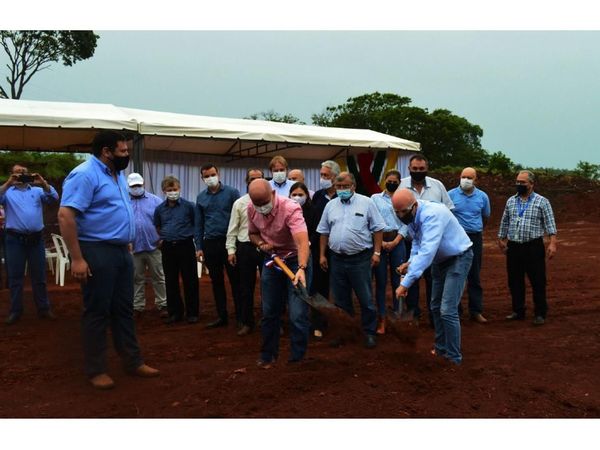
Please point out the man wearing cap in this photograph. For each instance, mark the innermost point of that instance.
(146, 254)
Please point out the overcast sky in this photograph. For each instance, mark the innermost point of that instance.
(535, 94)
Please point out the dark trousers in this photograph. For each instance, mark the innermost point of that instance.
(412, 298)
(527, 258)
(248, 261)
(21, 249)
(215, 257)
(108, 301)
(474, 288)
(180, 257)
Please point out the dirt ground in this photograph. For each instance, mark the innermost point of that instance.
(510, 369)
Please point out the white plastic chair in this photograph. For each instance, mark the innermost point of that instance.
(51, 257)
(62, 259)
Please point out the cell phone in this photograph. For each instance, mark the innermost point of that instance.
(25, 178)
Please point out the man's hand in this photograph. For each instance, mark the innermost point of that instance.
(323, 263)
(503, 245)
(200, 255)
(300, 278)
(402, 268)
(266, 247)
(38, 180)
(401, 291)
(375, 260)
(80, 270)
(130, 248)
(551, 250)
(232, 260)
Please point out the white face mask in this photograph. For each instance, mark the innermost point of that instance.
(325, 184)
(300, 199)
(173, 195)
(279, 177)
(466, 184)
(264, 209)
(137, 191)
(212, 181)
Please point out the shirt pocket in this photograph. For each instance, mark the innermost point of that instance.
(358, 222)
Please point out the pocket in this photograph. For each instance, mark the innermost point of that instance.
(357, 223)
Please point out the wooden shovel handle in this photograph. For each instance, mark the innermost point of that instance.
(283, 266)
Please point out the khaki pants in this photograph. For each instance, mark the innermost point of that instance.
(153, 262)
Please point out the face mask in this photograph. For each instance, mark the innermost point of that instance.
(418, 176)
(120, 162)
(391, 186)
(407, 218)
(264, 209)
(279, 177)
(466, 184)
(521, 189)
(344, 194)
(325, 184)
(212, 181)
(173, 195)
(137, 191)
(300, 199)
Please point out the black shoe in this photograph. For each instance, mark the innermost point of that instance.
(46, 314)
(539, 320)
(217, 323)
(370, 341)
(173, 319)
(192, 319)
(12, 318)
(515, 316)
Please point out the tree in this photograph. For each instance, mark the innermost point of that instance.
(31, 51)
(499, 163)
(273, 116)
(588, 170)
(446, 139)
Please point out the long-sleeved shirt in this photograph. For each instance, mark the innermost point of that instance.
(176, 223)
(470, 209)
(146, 237)
(238, 224)
(433, 191)
(283, 189)
(384, 204)
(24, 209)
(436, 236)
(350, 225)
(525, 221)
(213, 210)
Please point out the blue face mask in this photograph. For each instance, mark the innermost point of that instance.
(344, 194)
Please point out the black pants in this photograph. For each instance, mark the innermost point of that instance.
(180, 257)
(215, 257)
(248, 261)
(474, 288)
(108, 301)
(527, 258)
(412, 298)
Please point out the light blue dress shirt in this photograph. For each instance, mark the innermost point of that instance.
(283, 190)
(384, 204)
(23, 208)
(350, 225)
(436, 236)
(433, 191)
(104, 209)
(470, 209)
(146, 237)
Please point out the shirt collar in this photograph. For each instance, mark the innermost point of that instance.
(217, 191)
(424, 183)
(101, 165)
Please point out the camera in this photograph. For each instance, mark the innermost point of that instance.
(25, 178)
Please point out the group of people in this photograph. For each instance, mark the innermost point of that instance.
(334, 239)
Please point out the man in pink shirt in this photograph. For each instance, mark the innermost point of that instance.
(276, 226)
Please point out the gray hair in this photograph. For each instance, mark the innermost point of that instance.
(345, 175)
(333, 166)
(530, 175)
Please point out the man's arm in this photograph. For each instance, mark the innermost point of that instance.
(68, 229)
(301, 241)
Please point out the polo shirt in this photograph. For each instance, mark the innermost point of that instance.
(470, 209)
(24, 207)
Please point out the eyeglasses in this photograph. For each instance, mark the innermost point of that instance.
(404, 211)
(343, 186)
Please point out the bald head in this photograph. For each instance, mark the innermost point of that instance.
(469, 172)
(260, 192)
(403, 199)
(296, 175)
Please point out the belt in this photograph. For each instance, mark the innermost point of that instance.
(24, 235)
(180, 242)
(345, 255)
(531, 242)
(390, 235)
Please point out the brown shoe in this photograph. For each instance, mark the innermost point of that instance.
(102, 381)
(244, 330)
(478, 318)
(381, 326)
(145, 371)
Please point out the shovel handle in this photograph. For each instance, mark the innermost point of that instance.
(283, 266)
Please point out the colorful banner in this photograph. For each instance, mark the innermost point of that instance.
(369, 169)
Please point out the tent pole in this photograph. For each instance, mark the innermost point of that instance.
(138, 154)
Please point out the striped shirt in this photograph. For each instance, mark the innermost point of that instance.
(526, 221)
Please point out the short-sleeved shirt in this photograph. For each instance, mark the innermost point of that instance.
(24, 208)
(470, 209)
(102, 203)
(176, 223)
(146, 237)
(526, 221)
(351, 224)
(383, 201)
(277, 227)
(433, 191)
(213, 212)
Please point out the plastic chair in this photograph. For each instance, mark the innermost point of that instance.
(51, 257)
(62, 260)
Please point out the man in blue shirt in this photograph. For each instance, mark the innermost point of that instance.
(213, 211)
(96, 222)
(440, 242)
(23, 200)
(280, 183)
(352, 228)
(146, 254)
(472, 209)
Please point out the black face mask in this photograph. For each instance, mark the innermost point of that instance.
(120, 162)
(521, 189)
(418, 176)
(391, 186)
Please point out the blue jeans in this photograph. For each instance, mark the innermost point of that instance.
(474, 288)
(448, 283)
(353, 273)
(21, 249)
(391, 259)
(276, 288)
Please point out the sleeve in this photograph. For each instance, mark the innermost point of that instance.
(157, 219)
(323, 227)
(233, 228)
(199, 224)
(295, 220)
(376, 221)
(504, 222)
(78, 191)
(487, 210)
(548, 218)
(252, 229)
(445, 197)
(50, 197)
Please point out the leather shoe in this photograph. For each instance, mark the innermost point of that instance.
(217, 323)
(12, 318)
(173, 319)
(192, 319)
(370, 341)
(145, 371)
(514, 316)
(478, 318)
(163, 313)
(244, 330)
(539, 320)
(266, 364)
(102, 381)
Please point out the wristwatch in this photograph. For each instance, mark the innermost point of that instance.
(377, 253)
(301, 266)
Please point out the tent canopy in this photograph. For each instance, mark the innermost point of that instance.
(58, 126)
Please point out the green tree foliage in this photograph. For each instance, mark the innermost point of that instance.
(588, 170)
(31, 51)
(499, 163)
(49, 165)
(446, 139)
(273, 116)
